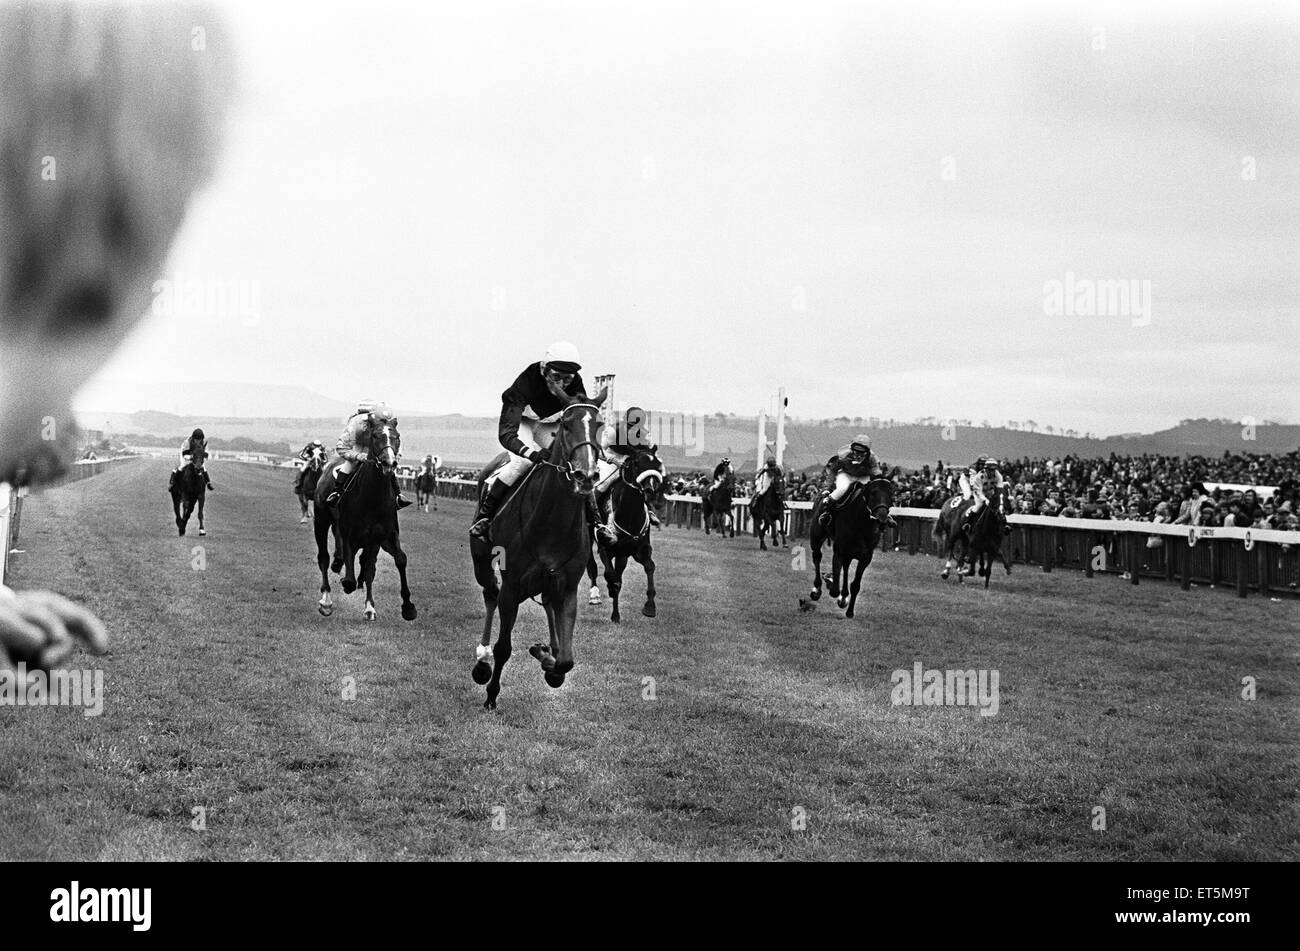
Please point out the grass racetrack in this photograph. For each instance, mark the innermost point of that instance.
(770, 733)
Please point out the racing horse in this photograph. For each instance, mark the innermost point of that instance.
(308, 476)
(768, 512)
(362, 521)
(189, 491)
(856, 533)
(716, 504)
(638, 489)
(426, 487)
(979, 542)
(540, 542)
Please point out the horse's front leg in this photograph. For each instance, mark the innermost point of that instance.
(322, 529)
(614, 581)
(593, 595)
(560, 654)
(202, 500)
(369, 560)
(347, 556)
(842, 579)
(176, 510)
(508, 606)
(816, 544)
(393, 546)
(645, 556)
(856, 586)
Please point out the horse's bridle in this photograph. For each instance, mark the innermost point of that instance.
(566, 468)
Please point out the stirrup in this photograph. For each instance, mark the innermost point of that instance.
(402, 501)
(333, 497)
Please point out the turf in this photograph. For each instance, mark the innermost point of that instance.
(770, 734)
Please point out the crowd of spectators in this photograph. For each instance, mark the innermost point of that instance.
(1183, 490)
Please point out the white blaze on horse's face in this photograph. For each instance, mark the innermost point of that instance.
(388, 457)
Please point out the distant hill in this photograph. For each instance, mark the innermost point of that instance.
(464, 441)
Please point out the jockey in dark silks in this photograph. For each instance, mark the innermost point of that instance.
(720, 472)
(622, 447)
(197, 443)
(305, 454)
(854, 463)
(530, 412)
(768, 477)
(354, 447)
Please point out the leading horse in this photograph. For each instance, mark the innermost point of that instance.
(638, 489)
(540, 542)
(856, 533)
(190, 491)
(363, 520)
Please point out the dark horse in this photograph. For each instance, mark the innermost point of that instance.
(638, 489)
(856, 528)
(540, 541)
(308, 476)
(980, 542)
(768, 512)
(363, 520)
(190, 490)
(716, 505)
(426, 487)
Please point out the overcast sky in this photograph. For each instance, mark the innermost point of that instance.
(716, 200)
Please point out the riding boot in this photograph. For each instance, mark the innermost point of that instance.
(208, 479)
(402, 501)
(598, 513)
(336, 488)
(827, 512)
(487, 507)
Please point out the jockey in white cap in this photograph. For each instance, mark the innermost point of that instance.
(530, 414)
(354, 446)
(979, 480)
(854, 463)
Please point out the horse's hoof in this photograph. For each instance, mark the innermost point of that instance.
(843, 602)
(489, 704)
(848, 613)
(649, 610)
(408, 612)
(325, 609)
(180, 531)
(594, 599)
(553, 679)
(943, 575)
(815, 595)
(481, 673)
(370, 614)
(203, 531)
(349, 586)
(616, 618)
(336, 565)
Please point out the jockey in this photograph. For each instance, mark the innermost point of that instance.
(768, 476)
(544, 389)
(854, 463)
(354, 447)
(305, 454)
(720, 472)
(983, 477)
(620, 446)
(429, 464)
(197, 443)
